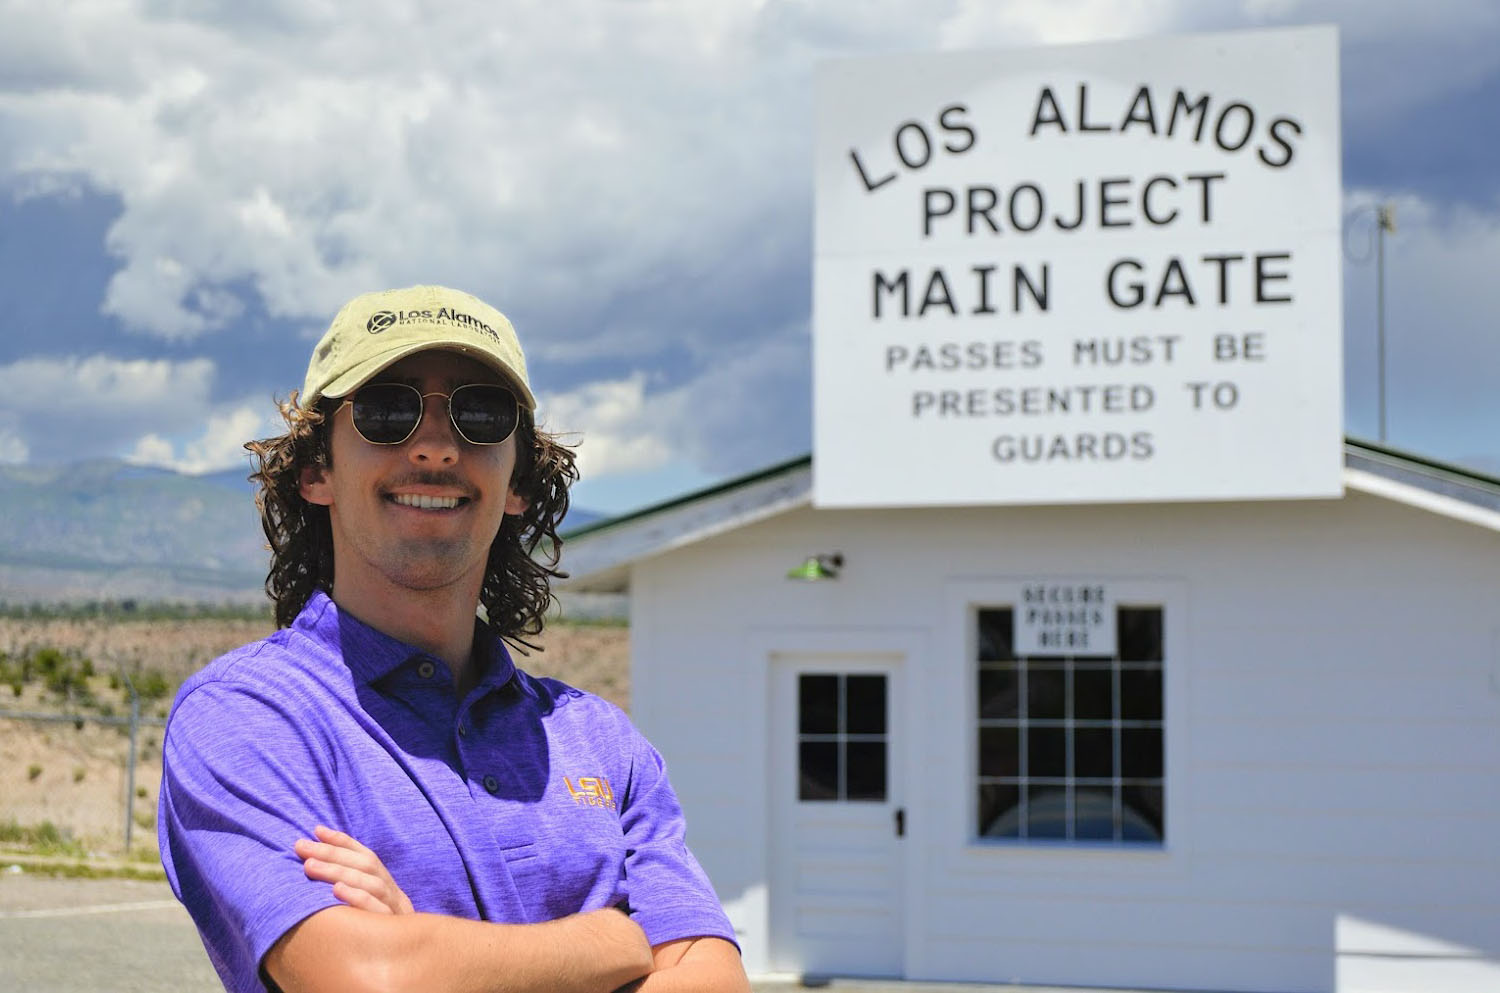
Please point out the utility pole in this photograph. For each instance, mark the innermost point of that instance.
(1385, 220)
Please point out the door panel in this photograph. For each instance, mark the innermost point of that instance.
(835, 899)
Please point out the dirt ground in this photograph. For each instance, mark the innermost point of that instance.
(75, 777)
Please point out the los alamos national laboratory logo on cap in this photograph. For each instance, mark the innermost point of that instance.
(383, 320)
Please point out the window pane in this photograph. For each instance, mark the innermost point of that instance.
(1140, 694)
(1046, 693)
(818, 770)
(995, 638)
(1092, 689)
(1143, 813)
(1093, 753)
(1047, 753)
(864, 704)
(998, 692)
(1140, 753)
(864, 770)
(1094, 813)
(1046, 812)
(999, 811)
(818, 704)
(1139, 633)
(999, 752)
(1080, 751)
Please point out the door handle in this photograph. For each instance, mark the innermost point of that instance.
(900, 822)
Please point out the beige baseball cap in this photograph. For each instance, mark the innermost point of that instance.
(376, 329)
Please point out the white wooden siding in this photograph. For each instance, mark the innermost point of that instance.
(1333, 737)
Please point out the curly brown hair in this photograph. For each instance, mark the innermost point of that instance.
(523, 557)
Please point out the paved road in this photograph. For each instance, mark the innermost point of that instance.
(90, 935)
(129, 936)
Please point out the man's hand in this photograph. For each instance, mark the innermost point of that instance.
(358, 876)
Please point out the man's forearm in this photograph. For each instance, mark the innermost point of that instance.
(694, 965)
(342, 948)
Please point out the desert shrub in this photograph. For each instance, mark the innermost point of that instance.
(46, 838)
(48, 661)
(78, 773)
(33, 771)
(64, 673)
(152, 685)
(136, 610)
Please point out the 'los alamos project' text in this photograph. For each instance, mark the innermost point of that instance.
(1004, 213)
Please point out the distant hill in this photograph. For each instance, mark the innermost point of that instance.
(109, 530)
(106, 529)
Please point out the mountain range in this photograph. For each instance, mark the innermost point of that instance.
(105, 529)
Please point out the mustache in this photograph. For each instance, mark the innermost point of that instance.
(444, 480)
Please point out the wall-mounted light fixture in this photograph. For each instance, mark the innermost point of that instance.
(816, 568)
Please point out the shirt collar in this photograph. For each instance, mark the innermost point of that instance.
(371, 654)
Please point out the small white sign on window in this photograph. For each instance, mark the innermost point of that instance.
(1065, 617)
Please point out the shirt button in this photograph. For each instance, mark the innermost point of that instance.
(426, 669)
(463, 729)
(492, 784)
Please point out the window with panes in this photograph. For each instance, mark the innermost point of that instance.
(841, 737)
(1071, 747)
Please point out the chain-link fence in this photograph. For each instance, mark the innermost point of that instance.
(132, 726)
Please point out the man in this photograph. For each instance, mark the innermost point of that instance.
(374, 797)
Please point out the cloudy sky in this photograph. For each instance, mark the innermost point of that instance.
(190, 188)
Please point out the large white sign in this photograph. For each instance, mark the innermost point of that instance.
(1080, 274)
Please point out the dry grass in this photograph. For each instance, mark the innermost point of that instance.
(79, 783)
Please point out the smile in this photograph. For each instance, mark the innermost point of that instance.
(426, 502)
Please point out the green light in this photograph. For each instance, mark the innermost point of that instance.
(816, 568)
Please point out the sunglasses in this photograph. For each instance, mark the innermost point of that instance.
(388, 413)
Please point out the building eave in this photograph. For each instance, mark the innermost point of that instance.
(598, 556)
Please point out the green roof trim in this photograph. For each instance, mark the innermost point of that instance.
(1433, 466)
(801, 461)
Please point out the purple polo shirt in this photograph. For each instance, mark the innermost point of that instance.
(526, 801)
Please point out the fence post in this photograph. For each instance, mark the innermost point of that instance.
(135, 722)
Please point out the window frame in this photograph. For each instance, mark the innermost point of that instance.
(842, 737)
(1027, 777)
(957, 642)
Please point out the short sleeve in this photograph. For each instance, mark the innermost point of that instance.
(242, 779)
(669, 894)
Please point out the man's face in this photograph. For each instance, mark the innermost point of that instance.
(383, 542)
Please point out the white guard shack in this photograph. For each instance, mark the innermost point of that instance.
(1107, 661)
(1285, 777)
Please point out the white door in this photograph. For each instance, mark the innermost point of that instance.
(836, 815)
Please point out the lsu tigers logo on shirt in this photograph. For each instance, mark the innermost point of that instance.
(591, 791)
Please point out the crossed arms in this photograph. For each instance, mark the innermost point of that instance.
(375, 942)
